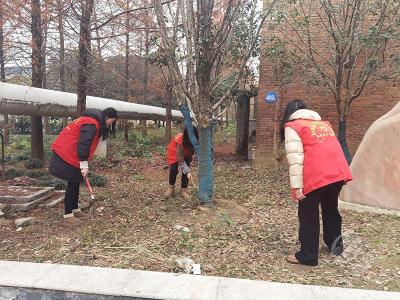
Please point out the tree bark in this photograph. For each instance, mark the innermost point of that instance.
(6, 131)
(46, 125)
(205, 153)
(242, 127)
(343, 140)
(2, 70)
(227, 118)
(168, 113)
(145, 78)
(127, 71)
(84, 52)
(37, 78)
(206, 165)
(61, 52)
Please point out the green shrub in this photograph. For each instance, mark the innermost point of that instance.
(97, 180)
(34, 164)
(10, 160)
(21, 144)
(35, 173)
(12, 173)
(23, 156)
(58, 184)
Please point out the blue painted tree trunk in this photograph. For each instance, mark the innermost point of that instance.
(205, 153)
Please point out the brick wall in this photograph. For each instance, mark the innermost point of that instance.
(372, 104)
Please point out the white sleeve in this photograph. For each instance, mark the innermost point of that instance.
(83, 164)
(295, 157)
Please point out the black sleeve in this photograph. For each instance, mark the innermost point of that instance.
(85, 141)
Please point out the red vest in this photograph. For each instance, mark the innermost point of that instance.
(324, 161)
(66, 144)
(172, 156)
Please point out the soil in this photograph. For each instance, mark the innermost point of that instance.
(247, 233)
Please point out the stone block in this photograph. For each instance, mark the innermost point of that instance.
(376, 165)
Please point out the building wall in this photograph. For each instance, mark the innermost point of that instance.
(372, 104)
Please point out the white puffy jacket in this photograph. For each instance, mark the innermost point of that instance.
(294, 147)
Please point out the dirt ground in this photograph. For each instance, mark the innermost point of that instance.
(247, 233)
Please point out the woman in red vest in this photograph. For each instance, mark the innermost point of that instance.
(72, 150)
(318, 169)
(179, 155)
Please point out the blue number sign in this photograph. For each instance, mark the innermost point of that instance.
(271, 97)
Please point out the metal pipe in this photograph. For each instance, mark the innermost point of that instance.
(24, 100)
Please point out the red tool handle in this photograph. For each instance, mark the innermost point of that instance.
(89, 187)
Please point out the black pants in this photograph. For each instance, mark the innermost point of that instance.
(309, 223)
(173, 172)
(71, 197)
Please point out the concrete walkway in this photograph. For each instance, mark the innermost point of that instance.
(20, 280)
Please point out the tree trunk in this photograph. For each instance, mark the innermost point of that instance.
(145, 78)
(218, 124)
(6, 132)
(242, 127)
(205, 154)
(37, 79)
(84, 52)
(62, 53)
(227, 118)
(168, 113)
(343, 140)
(126, 131)
(2, 71)
(37, 138)
(206, 165)
(143, 127)
(45, 120)
(64, 122)
(46, 126)
(62, 45)
(127, 71)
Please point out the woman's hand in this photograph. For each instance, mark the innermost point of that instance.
(84, 172)
(297, 195)
(189, 176)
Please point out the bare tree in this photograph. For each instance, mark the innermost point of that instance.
(342, 46)
(198, 44)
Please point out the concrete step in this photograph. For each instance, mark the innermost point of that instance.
(23, 194)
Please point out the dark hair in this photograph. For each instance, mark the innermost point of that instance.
(105, 131)
(291, 107)
(186, 140)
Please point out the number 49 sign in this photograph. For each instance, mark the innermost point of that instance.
(271, 97)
